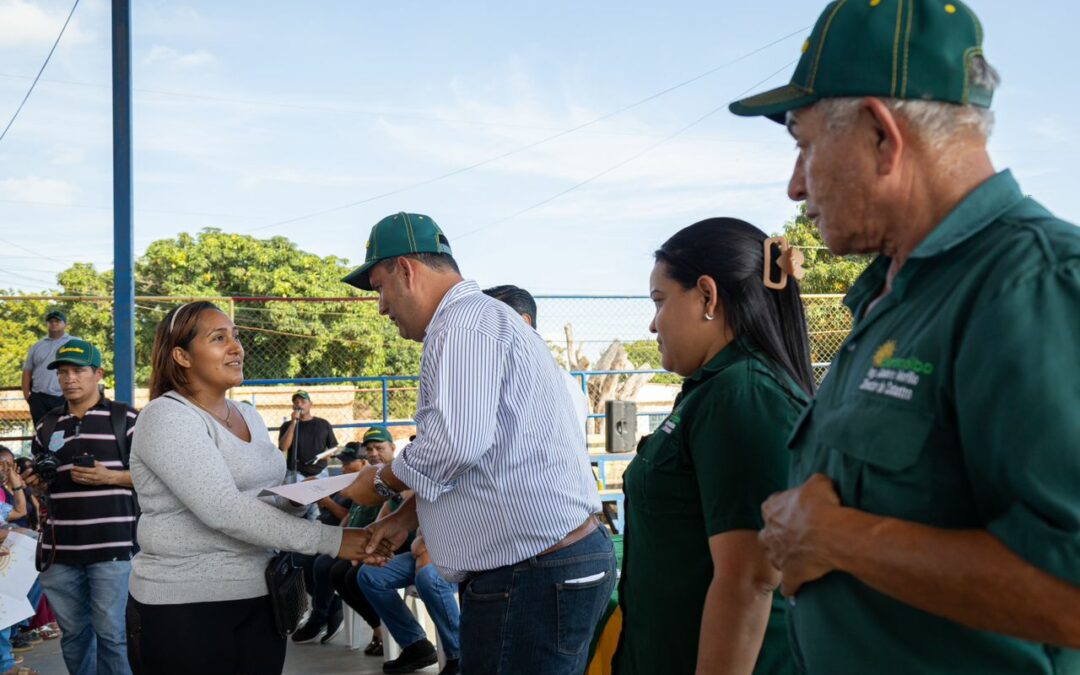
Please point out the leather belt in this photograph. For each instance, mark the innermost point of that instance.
(578, 533)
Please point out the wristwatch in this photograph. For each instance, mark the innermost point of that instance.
(381, 488)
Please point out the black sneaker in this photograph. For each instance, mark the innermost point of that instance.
(452, 667)
(333, 627)
(21, 643)
(374, 648)
(419, 654)
(308, 632)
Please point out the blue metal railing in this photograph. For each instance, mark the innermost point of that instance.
(384, 380)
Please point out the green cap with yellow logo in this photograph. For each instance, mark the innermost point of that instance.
(378, 434)
(397, 235)
(77, 353)
(906, 49)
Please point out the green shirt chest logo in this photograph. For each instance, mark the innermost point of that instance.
(894, 377)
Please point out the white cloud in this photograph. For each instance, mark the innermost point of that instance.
(177, 59)
(23, 24)
(35, 189)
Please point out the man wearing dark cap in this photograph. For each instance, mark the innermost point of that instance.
(934, 526)
(39, 385)
(89, 533)
(303, 438)
(504, 494)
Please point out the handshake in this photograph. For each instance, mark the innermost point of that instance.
(372, 545)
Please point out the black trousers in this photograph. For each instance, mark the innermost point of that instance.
(232, 637)
(42, 403)
(343, 579)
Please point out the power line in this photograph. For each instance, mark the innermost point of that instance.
(40, 71)
(534, 144)
(626, 161)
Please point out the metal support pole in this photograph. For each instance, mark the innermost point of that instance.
(123, 227)
(385, 402)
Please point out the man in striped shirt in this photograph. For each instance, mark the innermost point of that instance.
(90, 530)
(504, 494)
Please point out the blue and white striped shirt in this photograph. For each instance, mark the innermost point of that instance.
(499, 464)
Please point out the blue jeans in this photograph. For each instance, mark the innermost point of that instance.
(380, 585)
(89, 602)
(324, 602)
(537, 617)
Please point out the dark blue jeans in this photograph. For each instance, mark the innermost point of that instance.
(538, 616)
(324, 603)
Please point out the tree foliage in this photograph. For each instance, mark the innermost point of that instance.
(825, 273)
(282, 339)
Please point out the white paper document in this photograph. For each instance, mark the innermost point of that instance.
(17, 574)
(311, 491)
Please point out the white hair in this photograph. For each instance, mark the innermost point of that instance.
(935, 122)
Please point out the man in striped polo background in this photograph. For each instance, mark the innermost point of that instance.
(90, 531)
(504, 494)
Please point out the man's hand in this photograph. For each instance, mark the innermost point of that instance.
(355, 543)
(98, 475)
(362, 490)
(34, 482)
(387, 534)
(795, 521)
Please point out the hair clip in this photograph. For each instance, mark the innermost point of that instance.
(789, 261)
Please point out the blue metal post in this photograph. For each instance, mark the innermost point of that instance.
(385, 402)
(123, 227)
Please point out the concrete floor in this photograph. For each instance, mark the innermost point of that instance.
(329, 659)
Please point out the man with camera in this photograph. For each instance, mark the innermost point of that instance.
(302, 438)
(88, 513)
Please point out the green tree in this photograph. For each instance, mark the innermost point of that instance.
(283, 339)
(646, 353)
(828, 321)
(825, 273)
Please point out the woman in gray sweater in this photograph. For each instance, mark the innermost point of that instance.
(198, 596)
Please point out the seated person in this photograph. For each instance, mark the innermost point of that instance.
(325, 605)
(326, 575)
(380, 585)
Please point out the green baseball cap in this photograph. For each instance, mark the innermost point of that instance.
(56, 314)
(907, 49)
(378, 434)
(397, 235)
(300, 393)
(77, 353)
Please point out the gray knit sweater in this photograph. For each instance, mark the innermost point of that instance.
(205, 535)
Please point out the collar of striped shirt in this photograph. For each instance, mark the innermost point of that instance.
(499, 464)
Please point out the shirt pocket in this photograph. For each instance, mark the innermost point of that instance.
(668, 478)
(877, 457)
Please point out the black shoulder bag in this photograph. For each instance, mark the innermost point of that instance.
(287, 593)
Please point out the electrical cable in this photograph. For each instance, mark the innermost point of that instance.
(40, 71)
(626, 161)
(529, 146)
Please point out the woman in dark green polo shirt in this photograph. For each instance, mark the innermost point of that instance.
(697, 588)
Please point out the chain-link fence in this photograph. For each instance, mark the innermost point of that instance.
(343, 351)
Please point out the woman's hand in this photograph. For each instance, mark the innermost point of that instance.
(354, 545)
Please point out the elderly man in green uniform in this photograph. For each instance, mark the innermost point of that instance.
(935, 526)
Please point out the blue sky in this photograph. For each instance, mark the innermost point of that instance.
(252, 113)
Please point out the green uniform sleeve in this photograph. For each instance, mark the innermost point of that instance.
(737, 441)
(1018, 402)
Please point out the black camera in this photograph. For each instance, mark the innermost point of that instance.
(46, 465)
